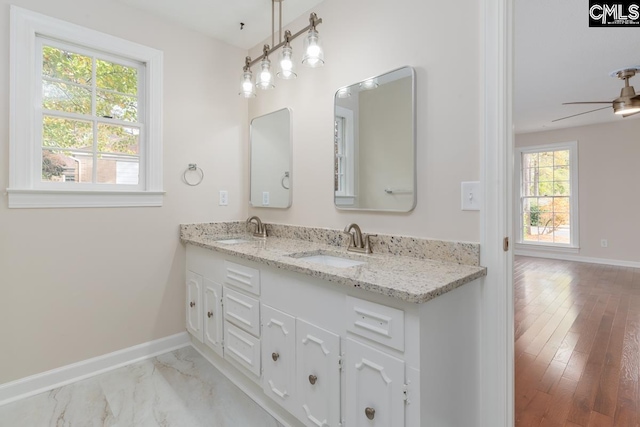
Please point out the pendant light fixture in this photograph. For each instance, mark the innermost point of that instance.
(264, 80)
(313, 55)
(248, 90)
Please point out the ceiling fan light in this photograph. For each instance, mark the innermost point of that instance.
(624, 107)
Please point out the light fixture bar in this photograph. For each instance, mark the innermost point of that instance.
(313, 22)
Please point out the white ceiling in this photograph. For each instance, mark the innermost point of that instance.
(221, 19)
(559, 58)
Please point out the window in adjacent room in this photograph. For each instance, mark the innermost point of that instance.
(548, 201)
(85, 117)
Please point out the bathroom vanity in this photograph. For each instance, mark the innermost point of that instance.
(322, 337)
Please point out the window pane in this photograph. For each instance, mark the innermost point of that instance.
(561, 173)
(66, 97)
(561, 188)
(66, 166)
(118, 139)
(115, 77)
(545, 159)
(561, 157)
(561, 204)
(65, 65)
(529, 160)
(113, 169)
(116, 106)
(67, 133)
(545, 174)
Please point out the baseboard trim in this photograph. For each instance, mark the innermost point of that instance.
(45, 381)
(577, 258)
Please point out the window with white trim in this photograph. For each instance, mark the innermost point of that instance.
(548, 199)
(85, 116)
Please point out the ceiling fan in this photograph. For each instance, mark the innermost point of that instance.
(627, 104)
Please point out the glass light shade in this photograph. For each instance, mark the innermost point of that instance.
(287, 68)
(247, 89)
(369, 84)
(313, 54)
(264, 80)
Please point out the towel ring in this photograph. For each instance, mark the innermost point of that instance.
(285, 176)
(193, 168)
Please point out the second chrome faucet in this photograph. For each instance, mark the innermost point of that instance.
(260, 230)
(358, 242)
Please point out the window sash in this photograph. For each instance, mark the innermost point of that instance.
(41, 112)
(572, 195)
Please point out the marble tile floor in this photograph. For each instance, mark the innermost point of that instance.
(176, 389)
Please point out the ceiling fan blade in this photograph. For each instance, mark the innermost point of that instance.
(579, 114)
(631, 114)
(587, 102)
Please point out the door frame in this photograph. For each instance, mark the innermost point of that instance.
(496, 218)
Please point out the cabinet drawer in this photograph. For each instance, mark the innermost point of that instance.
(242, 277)
(242, 311)
(242, 348)
(377, 322)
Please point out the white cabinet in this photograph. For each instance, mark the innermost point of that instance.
(279, 356)
(194, 305)
(318, 375)
(375, 387)
(213, 316)
(204, 310)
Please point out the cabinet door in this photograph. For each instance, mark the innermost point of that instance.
(278, 356)
(375, 387)
(194, 304)
(318, 375)
(213, 315)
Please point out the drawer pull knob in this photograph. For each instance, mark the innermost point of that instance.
(209, 314)
(313, 379)
(370, 413)
(192, 304)
(275, 356)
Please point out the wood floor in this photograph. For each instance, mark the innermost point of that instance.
(577, 350)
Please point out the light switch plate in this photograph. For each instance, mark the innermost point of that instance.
(471, 196)
(224, 198)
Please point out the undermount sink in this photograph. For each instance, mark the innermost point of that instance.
(233, 241)
(329, 260)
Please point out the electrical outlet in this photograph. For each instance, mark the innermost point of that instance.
(604, 243)
(265, 198)
(224, 198)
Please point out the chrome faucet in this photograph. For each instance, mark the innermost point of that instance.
(358, 242)
(261, 229)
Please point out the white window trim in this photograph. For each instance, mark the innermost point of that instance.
(23, 191)
(348, 196)
(574, 246)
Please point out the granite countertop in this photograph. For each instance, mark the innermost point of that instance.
(402, 277)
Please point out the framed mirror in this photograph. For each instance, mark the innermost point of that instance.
(270, 164)
(375, 143)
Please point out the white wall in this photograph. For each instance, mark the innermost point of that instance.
(78, 283)
(365, 38)
(608, 156)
